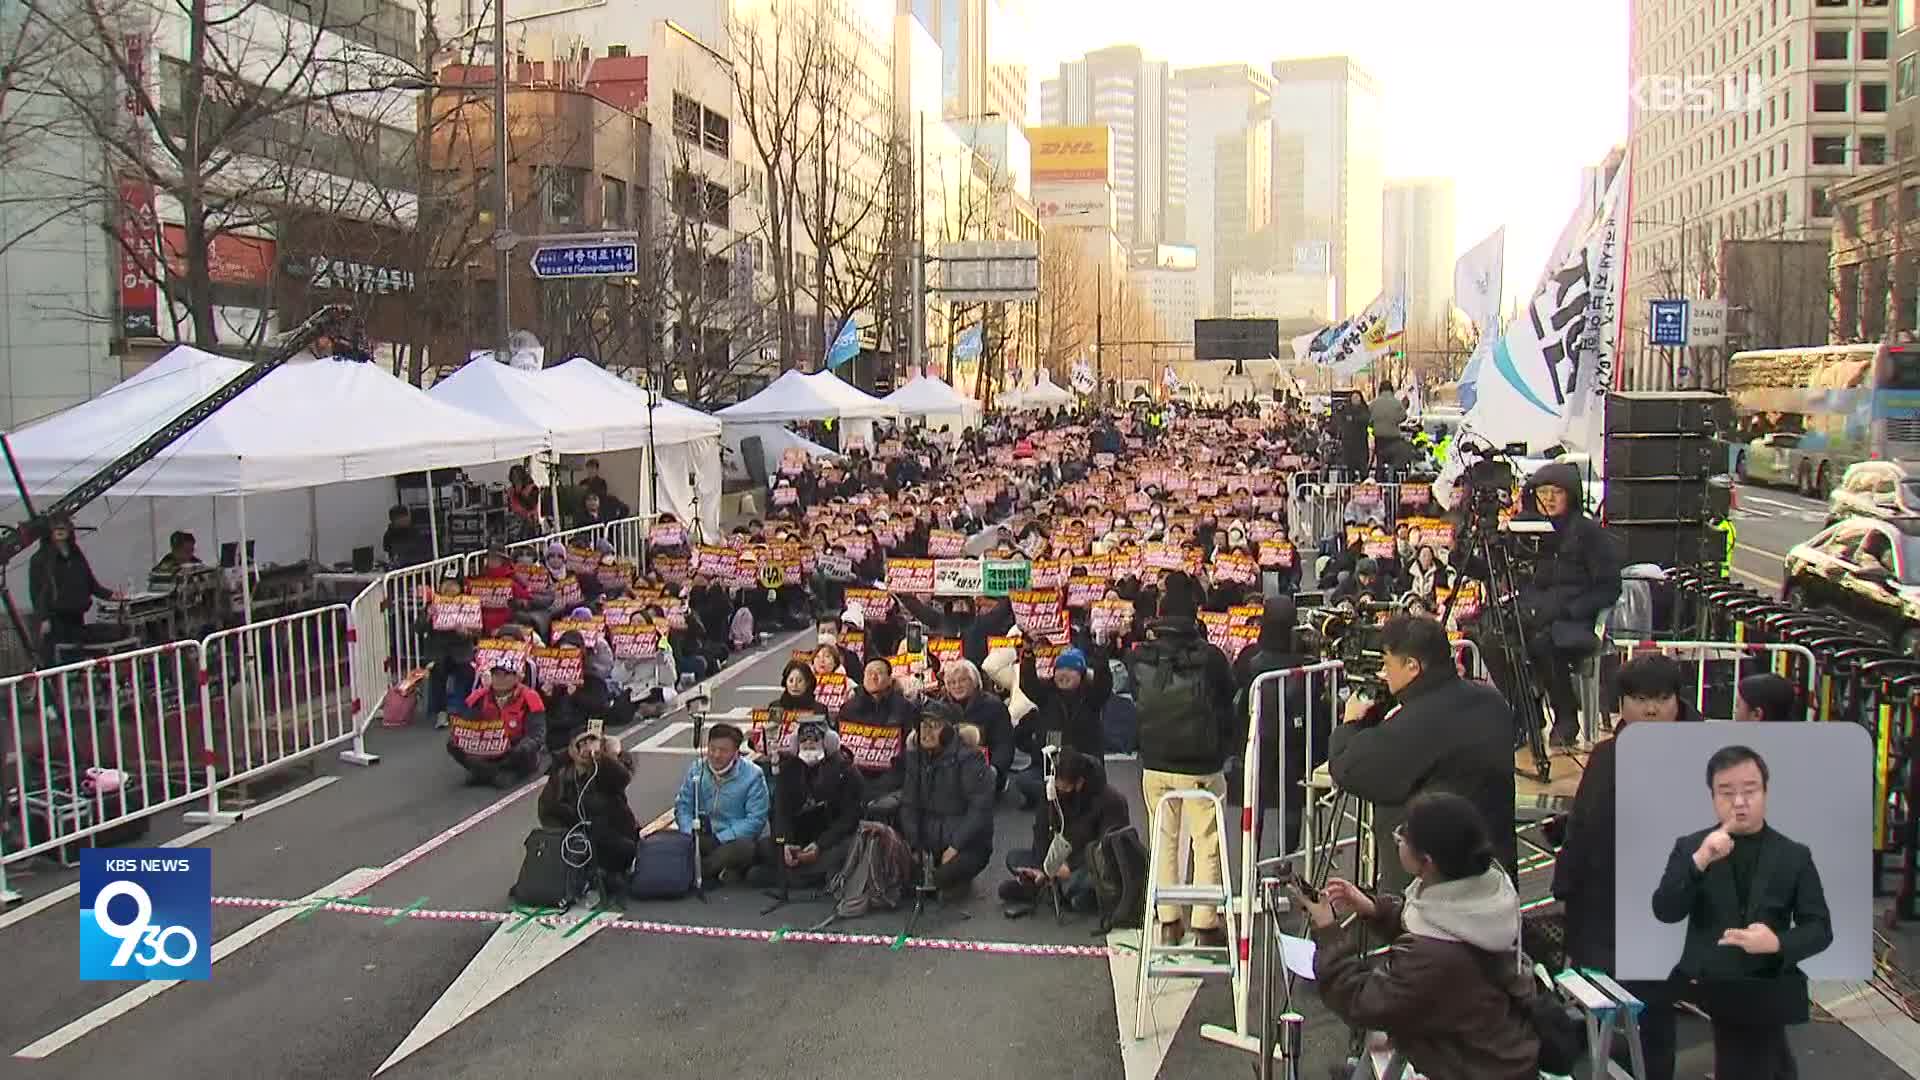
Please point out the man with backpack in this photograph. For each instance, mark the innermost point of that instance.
(1081, 810)
(1183, 686)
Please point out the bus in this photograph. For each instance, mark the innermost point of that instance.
(1801, 416)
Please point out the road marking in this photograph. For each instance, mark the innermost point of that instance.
(1869, 1015)
(350, 884)
(1764, 553)
(1744, 512)
(186, 839)
(1143, 1053)
(1763, 582)
(656, 743)
(510, 957)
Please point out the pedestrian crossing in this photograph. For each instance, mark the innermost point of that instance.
(677, 737)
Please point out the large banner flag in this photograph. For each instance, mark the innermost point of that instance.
(969, 345)
(846, 345)
(1477, 281)
(1374, 334)
(1544, 381)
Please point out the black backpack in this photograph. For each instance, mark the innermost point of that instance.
(1176, 706)
(663, 866)
(1117, 862)
(546, 881)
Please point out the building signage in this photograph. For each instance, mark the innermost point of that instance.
(346, 275)
(1071, 153)
(139, 289)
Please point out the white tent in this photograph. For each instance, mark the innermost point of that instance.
(576, 421)
(309, 423)
(820, 396)
(941, 405)
(775, 441)
(1045, 394)
(685, 440)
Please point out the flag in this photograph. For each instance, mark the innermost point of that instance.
(1375, 333)
(1080, 376)
(1543, 382)
(1477, 281)
(969, 345)
(846, 344)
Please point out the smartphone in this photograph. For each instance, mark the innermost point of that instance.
(595, 727)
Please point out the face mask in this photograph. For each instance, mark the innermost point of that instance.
(813, 755)
(728, 771)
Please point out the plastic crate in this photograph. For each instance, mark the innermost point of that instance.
(1002, 576)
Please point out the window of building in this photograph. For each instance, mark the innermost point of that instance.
(1903, 15)
(1909, 203)
(613, 203)
(1881, 212)
(1829, 149)
(1903, 78)
(686, 118)
(1873, 97)
(1830, 97)
(1903, 142)
(716, 199)
(1830, 44)
(1819, 205)
(563, 191)
(1873, 149)
(1873, 44)
(715, 132)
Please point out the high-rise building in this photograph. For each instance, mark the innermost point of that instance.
(1328, 172)
(1743, 119)
(1417, 249)
(1223, 103)
(1138, 100)
(980, 74)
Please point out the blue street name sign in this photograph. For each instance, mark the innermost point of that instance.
(1669, 320)
(587, 260)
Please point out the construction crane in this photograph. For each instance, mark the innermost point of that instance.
(334, 324)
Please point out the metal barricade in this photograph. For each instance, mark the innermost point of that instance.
(139, 714)
(278, 691)
(1746, 658)
(404, 600)
(371, 661)
(1253, 815)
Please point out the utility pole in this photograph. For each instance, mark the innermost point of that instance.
(503, 240)
(1099, 323)
(919, 286)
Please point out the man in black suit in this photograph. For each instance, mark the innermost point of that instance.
(1754, 910)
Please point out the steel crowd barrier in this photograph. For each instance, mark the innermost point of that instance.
(1713, 694)
(279, 690)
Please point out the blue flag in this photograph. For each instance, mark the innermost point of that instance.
(846, 345)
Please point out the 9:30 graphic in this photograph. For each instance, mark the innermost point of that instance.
(146, 913)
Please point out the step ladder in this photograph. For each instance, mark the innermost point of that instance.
(1159, 961)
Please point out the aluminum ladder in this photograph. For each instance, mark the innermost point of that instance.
(1159, 961)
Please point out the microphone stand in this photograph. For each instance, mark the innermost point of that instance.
(781, 896)
(697, 708)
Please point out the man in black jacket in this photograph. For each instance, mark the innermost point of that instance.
(61, 588)
(879, 703)
(1082, 810)
(1584, 867)
(1445, 734)
(966, 689)
(1184, 689)
(946, 806)
(1576, 579)
(1754, 909)
(817, 799)
(1067, 711)
(1281, 701)
(972, 621)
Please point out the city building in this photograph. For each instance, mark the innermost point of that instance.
(1224, 104)
(1291, 298)
(1417, 251)
(1744, 121)
(1172, 290)
(1145, 109)
(1328, 173)
(978, 42)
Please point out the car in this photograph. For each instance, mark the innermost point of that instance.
(1864, 569)
(1882, 489)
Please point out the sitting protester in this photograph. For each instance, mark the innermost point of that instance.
(818, 797)
(1067, 713)
(946, 804)
(1082, 809)
(504, 732)
(964, 687)
(723, 802)
(879, 703)
(797, 683)
(1449, 994)
(1765, 696)
(450, 653)
(587, 789)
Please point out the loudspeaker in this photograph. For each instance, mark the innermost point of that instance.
(1679, 412)
(1667, 544)
(755, 459)
(1630, 500)
(1678, 457)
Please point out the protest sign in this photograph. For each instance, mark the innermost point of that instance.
(946, 544)
(873, 746)
(557, 666)
(479, 736)
(1038, 611)
(666, 535)
(458, 614)
(636, 640)
(590, 630)
(510, 653)
(495, 593)
(832, 691)
(914, 576)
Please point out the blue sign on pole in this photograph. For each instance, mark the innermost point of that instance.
(587, 260)
(1669, 320)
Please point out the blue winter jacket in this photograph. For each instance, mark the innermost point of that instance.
(736, 804)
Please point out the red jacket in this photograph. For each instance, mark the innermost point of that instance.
(523, 714)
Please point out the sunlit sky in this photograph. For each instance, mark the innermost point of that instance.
(1509, 98)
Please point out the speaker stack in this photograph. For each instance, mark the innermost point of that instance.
(1660, 454)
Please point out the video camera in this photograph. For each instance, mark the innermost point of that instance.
(1352, 635)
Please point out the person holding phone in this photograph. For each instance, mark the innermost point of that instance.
(1450, 994)
(587, 788)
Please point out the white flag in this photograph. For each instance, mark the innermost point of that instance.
(1371, 335)
(1477, 280)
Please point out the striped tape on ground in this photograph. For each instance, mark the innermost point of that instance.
(649, 926)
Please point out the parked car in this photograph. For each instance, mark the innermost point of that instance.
(1768, 460)
(1882, 489)
(1864, 569)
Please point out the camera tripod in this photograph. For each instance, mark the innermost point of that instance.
(1503, 627)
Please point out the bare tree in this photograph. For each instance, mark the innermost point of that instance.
(1068, 288)
(39, 189)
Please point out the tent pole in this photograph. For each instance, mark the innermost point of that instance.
(313, 526)
(433, 518)
(553, 487)
(246, 567)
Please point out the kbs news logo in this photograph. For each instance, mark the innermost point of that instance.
(1704, 94)
(146, 913)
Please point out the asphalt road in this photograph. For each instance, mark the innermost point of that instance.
(1767, 523)
(456, 986)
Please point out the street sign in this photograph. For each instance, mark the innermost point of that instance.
(586, 260)
(1707, 324)
(1008, 270)
(1669, 321)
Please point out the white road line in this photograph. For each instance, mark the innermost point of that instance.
(350, 884)
(187, 839)
(1869, 1015)
(659, 739)
(1142, 1053)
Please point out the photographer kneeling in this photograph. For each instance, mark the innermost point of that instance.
(1449, 994)
(1446, 734)
(1080, 810)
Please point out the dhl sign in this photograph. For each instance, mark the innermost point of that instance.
(1071, 153)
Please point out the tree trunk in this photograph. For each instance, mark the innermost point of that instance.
(193, 209)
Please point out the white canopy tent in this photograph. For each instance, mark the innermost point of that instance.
(820, 396)
(311, 425)
(930, 398)
(775, 441)
(1045, 394)
(685, 442)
